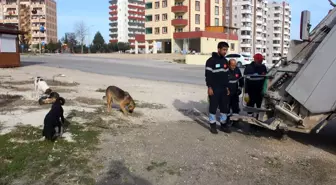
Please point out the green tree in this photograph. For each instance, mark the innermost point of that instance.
(98, 43)
(123, 46)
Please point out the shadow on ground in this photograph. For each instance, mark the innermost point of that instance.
(324, 140)
(119, 174)
(30, 63)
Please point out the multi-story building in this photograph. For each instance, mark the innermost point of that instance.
(278, 31)
(127, 20)
(251, 17)
(182, 25)
(23, 17)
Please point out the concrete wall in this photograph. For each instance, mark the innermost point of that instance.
(197, 59)
(209, 45)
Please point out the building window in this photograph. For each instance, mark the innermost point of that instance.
(232, 46)
(164, 3)
(148, 6)
(157, 17)
(197, 6)
(149, 30)
(216, 22)
(197, 18)
(157, 5)
(164, 30)
(157, 30)
(179, 30)
(164, 17)
(197, 29)
(217, 1)
(216, 10)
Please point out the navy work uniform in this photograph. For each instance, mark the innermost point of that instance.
(236, 83)
(255, 84)
(216, 77)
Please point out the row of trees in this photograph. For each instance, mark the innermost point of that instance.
(74, 43)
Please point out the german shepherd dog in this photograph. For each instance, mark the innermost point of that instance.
(121, 97)
(54, 120)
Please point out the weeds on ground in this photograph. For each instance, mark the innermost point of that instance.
(27, 158)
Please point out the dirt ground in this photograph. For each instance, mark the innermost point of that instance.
(166, 141)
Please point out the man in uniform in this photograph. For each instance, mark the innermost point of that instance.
(254, 83)
(216, 77)
(236, 83)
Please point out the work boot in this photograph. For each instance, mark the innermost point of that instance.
(226, 128)
(213, 128)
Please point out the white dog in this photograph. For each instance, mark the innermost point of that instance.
(41, 87)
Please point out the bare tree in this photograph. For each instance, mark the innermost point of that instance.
(81, 31)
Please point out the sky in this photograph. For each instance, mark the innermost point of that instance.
(95, 14)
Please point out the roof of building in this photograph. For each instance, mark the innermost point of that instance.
(10, 29)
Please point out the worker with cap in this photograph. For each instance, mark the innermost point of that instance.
(216, 77)
(254, 82)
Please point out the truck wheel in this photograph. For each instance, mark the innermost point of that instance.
(281, 134)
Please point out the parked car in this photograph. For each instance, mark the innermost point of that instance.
(242, 59)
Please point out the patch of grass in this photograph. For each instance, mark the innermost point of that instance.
(273, 162)
(89, 101)
(100, 90)
(59, 83)
(40, 160)
(155, 165)
(162, 167)
(10, 87)
(6, 99)
(49, 82)
(141, 104)
(180, 61)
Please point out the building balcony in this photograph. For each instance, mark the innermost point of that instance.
(259, 13)
(113, 40)
(136, 18)
(276, 31)
(38, 20)
(179, 9)
(246, 28)
(39, 35)
(246, 37)
(246, 11)
(245, 45)
(113, 18)
(258, 29)
(37, 5)
(179, 22)
(259, 38)
(11, 21)
(113, 7)
(113, 12)
(14, 5)
(136, 7)
(136, 12)
(249, 20)
(259, 21)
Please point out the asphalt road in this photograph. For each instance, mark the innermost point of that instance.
(142, 69)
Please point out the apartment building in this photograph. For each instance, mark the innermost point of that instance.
(127, 19)
(278, 31)
(182, 25)
(22, 16)
(251, 17)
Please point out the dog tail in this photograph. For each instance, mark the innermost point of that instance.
(104, 97)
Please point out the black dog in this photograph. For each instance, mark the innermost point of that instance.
(54, 119)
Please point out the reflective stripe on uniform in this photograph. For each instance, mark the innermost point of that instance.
(255, 79)
(233, 81)
(217, 70)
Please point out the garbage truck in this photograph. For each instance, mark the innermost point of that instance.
(300, 94)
